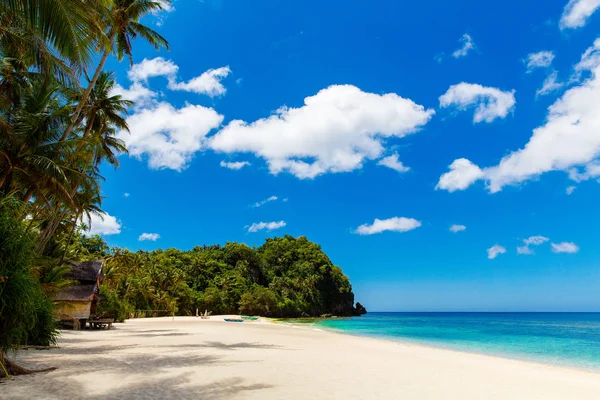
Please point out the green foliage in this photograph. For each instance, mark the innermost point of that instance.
(25, 311)
(114, 307)
(258, 301)
(285, 277)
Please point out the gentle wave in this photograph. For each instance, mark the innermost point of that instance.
(565, 339)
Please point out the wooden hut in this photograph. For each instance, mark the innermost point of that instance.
(78, 302)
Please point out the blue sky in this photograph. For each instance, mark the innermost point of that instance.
(420, 115)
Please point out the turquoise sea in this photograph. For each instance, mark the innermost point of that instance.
(566, 339)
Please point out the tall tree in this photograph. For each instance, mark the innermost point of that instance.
(123, 21)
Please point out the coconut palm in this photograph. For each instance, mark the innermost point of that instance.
(122, 19)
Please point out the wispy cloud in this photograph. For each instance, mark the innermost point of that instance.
(467, 45)
(495, 250)
(265, 201)
(269, 226)
(565, 247)
(457, 228)
(237, 165)
(394, 224)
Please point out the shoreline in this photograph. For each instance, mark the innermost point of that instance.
(407, 342)
(193, 358)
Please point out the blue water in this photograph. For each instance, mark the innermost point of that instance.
(566, 339)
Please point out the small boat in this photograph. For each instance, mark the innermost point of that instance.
(233, 320)
(249, 318)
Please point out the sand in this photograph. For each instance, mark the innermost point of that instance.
(189, 358)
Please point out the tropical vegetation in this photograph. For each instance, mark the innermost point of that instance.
(60, 121)
(58, 124)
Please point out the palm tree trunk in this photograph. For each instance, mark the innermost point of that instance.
(62, 258)
(28, 194)
(87, 92)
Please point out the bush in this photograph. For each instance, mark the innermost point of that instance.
(111, 306)
(259, 301)
(25, 311)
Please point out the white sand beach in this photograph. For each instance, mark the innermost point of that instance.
(189, 358)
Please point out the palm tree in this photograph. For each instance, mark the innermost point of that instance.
(122, 19)
(30, 154)
(103, 116)
(54, 36)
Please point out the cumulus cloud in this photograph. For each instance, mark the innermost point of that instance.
(209, 83)
(395, 224)
(565, 247)
(146, 69)
(167, 136)
(467, 45)
(126, 194)
(550, 84)
(462, 174)
(102, 224)
(235, 165)
(265, 201)
(577, 12)
(495, 250)
(568, 140)
(570, 190)
(393, 163)
(153, 237)
(457, 228)
(335, 130)
(490, 103)
(136, 92)
(269, 226)
(541, 59)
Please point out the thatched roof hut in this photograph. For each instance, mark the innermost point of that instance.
(79, 301)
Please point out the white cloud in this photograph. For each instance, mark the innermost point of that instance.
(395, 224)
(151, 68)
(393, 163)
(577, 12)
(495, 250)
(167, 136)
(237, 165)
(467, 45)
(149, 236)
(462, 174)
(208, 83)
(491, 102)
(103, 224)
(550, 84)
(334, 131)
(136, 92)
(457, 228)
(269, 226)
(535, 240)
(265, 201)
(568, 139)
(565, 247)
(167, 7)
(541, 59)
(531, 241)
(590, 171)
(524, 250)
(126, 194)
(570, 190)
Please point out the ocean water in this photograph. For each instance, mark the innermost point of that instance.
(565, 339)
